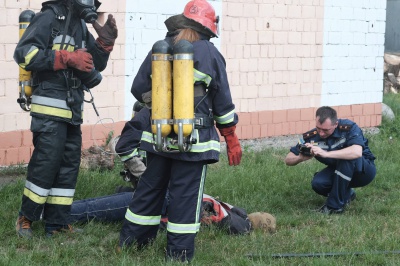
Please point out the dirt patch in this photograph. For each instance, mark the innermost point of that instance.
(6, 180)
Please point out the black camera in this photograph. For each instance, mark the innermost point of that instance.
(304, 149)
(89, 79)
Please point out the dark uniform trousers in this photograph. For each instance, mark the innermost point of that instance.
(186, 182)
(336, 180)
(52, 171)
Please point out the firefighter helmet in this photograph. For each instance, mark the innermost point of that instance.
(202, 12)
(198, 15)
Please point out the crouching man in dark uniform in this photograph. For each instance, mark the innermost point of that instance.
(341, 146)
(65, 60)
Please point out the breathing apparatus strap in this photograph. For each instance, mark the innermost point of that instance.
(84, 32)
(66, 27)
(69, 94)
(203, 120)
(70, 99)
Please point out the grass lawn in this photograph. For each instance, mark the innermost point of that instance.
(261, 183)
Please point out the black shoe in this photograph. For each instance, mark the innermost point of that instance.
(326, 210)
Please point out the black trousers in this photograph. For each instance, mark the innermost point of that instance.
(185, 181)
(336, 180)
(52, 171)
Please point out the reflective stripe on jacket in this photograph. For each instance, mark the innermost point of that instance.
(35, 52)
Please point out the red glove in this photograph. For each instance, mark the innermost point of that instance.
(79, 59)
(107, 33)
(232, 145)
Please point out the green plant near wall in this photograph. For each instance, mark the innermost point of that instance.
(110, 135)
(391, 128)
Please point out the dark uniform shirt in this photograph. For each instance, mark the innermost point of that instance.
(346, 134)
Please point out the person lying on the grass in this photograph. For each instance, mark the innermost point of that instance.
(234, 220)
(112, 208)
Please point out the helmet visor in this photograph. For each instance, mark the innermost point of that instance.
(86, 3)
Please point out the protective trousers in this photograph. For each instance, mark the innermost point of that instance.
(185, 181)
(52, 171)
(336, 180)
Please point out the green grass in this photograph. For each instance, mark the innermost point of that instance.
(261, 183)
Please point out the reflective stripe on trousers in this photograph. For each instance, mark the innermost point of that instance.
(52, 171)
(186, 183)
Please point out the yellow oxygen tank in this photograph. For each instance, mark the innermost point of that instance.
(183, 81)
(161, 94)
(25, 89)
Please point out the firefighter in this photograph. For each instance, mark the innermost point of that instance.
(65, 59)
(183, 172)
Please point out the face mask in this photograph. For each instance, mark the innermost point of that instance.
(86, 9)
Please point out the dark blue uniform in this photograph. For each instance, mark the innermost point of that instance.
(184, 172)
(337, 179)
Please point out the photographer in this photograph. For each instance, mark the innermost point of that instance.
(65, 60)
(341, 146)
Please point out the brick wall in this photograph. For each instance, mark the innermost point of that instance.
(285, 58)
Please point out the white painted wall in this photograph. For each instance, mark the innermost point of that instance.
(354, 36)
(144, 24)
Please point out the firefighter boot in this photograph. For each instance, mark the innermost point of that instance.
(23, 227)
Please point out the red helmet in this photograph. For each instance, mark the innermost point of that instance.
(202, 12)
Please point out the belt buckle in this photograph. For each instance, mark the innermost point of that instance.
(199, 121)
(76, 83)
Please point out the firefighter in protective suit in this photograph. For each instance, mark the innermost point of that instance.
(65, 59)
(183, 172)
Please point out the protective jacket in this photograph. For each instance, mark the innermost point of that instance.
(57, 95)
(215, 103)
